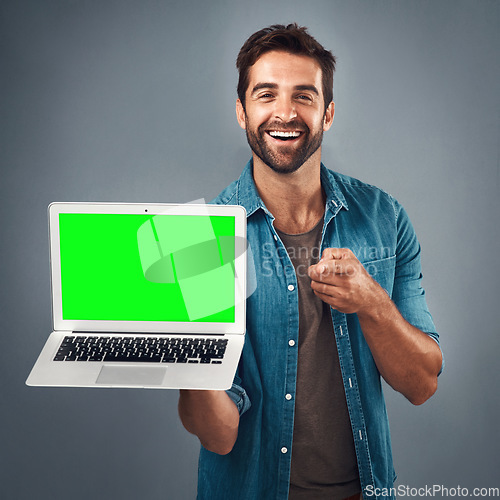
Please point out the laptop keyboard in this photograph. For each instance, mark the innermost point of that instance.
(146, 349)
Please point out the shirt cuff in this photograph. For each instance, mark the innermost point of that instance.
(240, 398)
(434, 337)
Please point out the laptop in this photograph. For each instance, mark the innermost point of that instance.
(145, 296)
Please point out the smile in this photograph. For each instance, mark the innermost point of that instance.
(284, 136)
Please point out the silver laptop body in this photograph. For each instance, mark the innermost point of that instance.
(145, 295)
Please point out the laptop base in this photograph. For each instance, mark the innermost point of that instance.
(102, 374)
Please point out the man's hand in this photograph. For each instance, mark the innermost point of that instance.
(340, 280)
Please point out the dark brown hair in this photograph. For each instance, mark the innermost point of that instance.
(293, 39)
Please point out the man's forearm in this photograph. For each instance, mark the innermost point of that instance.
(212, 416)
(408, 359)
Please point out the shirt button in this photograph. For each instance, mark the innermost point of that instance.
(291, 288)
(284, 450)
(288, 397)
(275, 238)
(291, 343)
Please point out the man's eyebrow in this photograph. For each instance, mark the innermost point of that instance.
(264, 85)
(268, 85)
(312, 88)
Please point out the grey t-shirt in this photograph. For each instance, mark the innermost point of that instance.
(323, 455)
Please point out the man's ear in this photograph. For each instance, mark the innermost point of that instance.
(240, 114)
(329, 114)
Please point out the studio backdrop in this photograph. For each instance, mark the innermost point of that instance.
(134, 101)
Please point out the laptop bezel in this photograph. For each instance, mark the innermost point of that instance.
(157, 327)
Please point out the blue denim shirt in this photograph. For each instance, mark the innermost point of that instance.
(377, 229)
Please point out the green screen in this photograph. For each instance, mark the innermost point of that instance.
(124, 267)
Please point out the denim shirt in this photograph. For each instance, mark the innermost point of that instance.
(377, 229)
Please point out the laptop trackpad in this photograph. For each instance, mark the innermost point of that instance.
(131, 375)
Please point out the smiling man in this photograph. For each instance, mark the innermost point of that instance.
(305, 417)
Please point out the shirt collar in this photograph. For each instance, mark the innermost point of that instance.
(334, 197)
(248, 197)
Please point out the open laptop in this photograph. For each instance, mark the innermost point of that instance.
(145, 295)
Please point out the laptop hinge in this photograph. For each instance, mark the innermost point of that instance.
(191, 334)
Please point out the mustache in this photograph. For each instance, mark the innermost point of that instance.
(284, 127)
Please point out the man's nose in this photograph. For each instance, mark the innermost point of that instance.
(285, 109)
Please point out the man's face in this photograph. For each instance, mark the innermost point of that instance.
(284, 115)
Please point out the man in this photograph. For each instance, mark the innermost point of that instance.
(306, 418)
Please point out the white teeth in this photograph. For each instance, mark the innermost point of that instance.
(277, 133)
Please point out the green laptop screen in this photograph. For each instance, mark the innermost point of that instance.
(125, 267)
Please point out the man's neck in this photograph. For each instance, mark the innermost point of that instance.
(296, 200)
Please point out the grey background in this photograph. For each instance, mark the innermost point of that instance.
(134, 101)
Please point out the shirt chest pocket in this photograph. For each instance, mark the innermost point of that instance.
(382, 271)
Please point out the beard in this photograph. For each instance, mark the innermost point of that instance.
(283, 159)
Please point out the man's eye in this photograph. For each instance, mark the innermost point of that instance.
(304, 97)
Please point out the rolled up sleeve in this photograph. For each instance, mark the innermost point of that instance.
(239, 396)
(408, 293)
